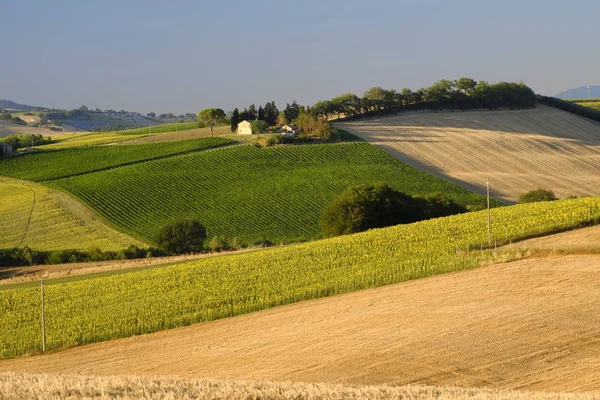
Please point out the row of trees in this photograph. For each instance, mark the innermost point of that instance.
(461, 94)
(269, 113)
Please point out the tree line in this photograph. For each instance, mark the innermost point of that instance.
(461, 94)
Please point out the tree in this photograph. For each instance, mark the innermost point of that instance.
(259, 127)
(537, 195)
(252, 112)
(151, 115)
(466, 85)
(271, 113)
(211, 116)
(235, 119)
(182, 237)
(364, 207)
(292, 111)
(83, 108)
(261, 114)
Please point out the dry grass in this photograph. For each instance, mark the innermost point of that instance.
(516, 150)
(527, 325)
(182, 135)
(20, 386)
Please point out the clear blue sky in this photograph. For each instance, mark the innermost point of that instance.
(182, 56)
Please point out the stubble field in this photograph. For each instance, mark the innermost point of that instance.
(516, 150)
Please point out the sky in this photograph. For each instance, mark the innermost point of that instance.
(182, 56)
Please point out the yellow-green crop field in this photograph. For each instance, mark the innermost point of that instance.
(150, 300)
(47, 220)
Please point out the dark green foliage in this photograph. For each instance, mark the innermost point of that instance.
(235, 119)
(570, 107)
(292, 111)
(271, 113)
(327, 133)
(437, 205)
(277, 193)
(182, 237)
(26, 256)
(462, 94)
(48, 165)
(365, 207)
(537, 195)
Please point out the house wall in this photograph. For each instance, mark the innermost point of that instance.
(244, 129)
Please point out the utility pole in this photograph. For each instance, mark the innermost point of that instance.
(487, 184)
(43, 318)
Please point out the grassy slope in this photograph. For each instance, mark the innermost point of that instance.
(277, 193)
(40, 166)
(47, 220)
(590, 103)
(155, 299)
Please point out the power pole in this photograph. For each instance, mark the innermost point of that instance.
(487, 184)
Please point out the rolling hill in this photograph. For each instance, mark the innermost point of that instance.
(581, 92)
(527, 325)
(125, 303)
(47, 220)
(515, 150)
(274, 193)
(11, 105)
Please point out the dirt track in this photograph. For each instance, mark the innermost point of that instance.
(517, 150)
(531, 324)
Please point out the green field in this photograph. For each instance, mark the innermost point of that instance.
(45, 220)
(276, 193)
(589, 103)
(46, 165)
(132, 303)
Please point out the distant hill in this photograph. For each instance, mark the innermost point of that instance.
(580, 93)
(15, 106)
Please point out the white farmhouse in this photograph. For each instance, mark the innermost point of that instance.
(290, 128)
(244, 128)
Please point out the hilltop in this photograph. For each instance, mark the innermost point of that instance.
(11, 105)
(515, 150)
(580, 93)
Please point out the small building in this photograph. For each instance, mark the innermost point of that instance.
(5, 149)
(290, 128)
(244, 128)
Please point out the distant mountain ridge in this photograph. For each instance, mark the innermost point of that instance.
(15, 106)
(580, 93)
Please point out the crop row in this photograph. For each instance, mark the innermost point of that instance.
(146, 301)
(47, 165)
(277, 193)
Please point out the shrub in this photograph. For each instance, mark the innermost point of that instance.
(437, 205)
(182, 237)
(218, 243)
(537, 195)
(275, 139)
(365, 207)
(327, 133)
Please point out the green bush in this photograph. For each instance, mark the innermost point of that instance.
(218, 243)
(182, 237)
(365, 207)
(537, 195)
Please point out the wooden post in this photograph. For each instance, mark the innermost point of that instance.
(43, 319)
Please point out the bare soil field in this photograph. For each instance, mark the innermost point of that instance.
(528, 325)
(42, 386)
(516, 150)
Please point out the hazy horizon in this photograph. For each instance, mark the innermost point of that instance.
(184, 56)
